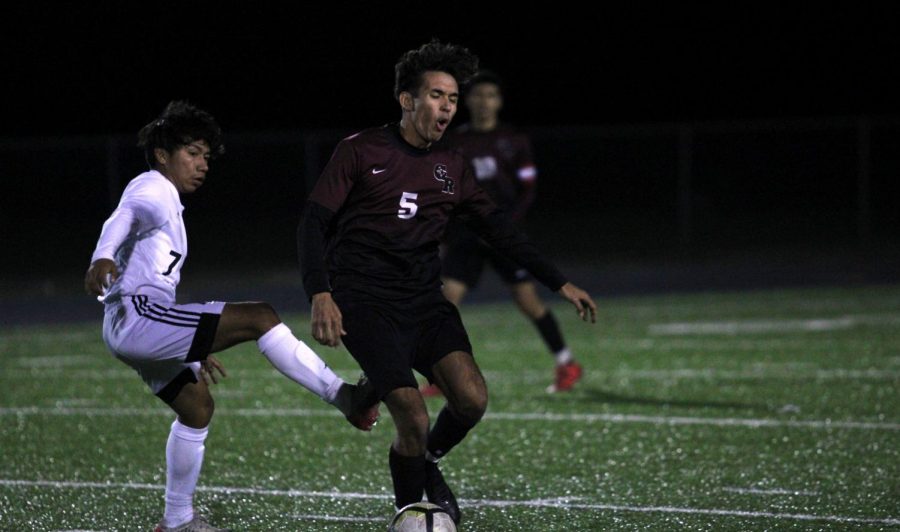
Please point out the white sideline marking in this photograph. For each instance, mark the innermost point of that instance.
(55, 361)
(508, 416)
(312, 517)
(766, 326)
(773, 491)
(533, 503)
(226, 490)
(761, 373)
(729, 422)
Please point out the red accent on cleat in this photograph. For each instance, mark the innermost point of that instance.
(566, 377)
(364, 414)
(366, 419)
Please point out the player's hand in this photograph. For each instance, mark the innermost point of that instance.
(327, 322)
(208, 370)
(100, 275)
(582, 301)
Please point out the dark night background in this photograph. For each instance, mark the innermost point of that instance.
(103, 68)
(780, 104)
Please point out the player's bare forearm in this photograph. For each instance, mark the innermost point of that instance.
(327, 321)
(582, 301)
(101, 273)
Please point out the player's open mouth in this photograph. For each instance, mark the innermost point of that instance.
(442, 123)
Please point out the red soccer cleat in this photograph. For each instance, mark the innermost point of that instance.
(566, 377)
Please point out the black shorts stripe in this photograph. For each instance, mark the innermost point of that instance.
(189, 322)
(177, 311)
(137, 308)
(171, 390)
(163, 312)
(141, 305)
(169, 322)
(203, 338)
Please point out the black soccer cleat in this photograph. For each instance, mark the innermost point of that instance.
(364, 402)
(438, 492)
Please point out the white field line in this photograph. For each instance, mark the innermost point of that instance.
(771, 491)
(533, 503)
(504, 416)
(780, 373)
(339, 519)
(769, 326)
(56, 361)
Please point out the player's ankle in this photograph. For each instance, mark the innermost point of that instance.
(343, 400)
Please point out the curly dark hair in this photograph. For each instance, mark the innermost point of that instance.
(180, 124)
(453, 59)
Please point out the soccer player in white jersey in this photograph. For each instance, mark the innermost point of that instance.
(135, 270)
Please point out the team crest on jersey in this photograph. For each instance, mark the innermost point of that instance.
(441, 174)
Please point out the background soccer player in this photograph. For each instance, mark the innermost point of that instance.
(368, 243)
(135, 270)
(504, 168)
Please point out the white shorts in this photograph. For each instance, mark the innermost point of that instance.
(163, 342)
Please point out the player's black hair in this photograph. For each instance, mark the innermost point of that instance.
(453, 59)
(486, 76)
(180, 124)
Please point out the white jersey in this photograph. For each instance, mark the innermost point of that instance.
(145, 237)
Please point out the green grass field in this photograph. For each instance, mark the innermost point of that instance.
(775, 410)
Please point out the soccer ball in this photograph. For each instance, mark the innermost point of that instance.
(422, 517)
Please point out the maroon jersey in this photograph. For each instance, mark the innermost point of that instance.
(382, 206)
(502, 162)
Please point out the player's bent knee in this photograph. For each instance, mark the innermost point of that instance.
(472, 407)
(470, 403)
(264, 317)
(415, 426)
(409, 413)
(412, 421)
(250, 320)
(202, 412)
(412, 433)
(194, 405)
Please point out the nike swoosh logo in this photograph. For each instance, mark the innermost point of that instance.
(378, 170)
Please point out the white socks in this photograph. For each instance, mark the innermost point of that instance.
(184, 449)
(299, 363)
(563, 356)
(184, 456)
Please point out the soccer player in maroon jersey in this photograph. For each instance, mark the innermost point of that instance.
(504, 167)
(368, 242)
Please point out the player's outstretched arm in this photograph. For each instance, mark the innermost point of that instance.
(327, 322)
(581, 299)
(99, 276)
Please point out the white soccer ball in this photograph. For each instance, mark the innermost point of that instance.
(422, 517)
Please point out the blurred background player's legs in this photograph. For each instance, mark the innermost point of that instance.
(568, 370)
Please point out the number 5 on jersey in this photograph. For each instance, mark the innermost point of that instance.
(408, 205)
